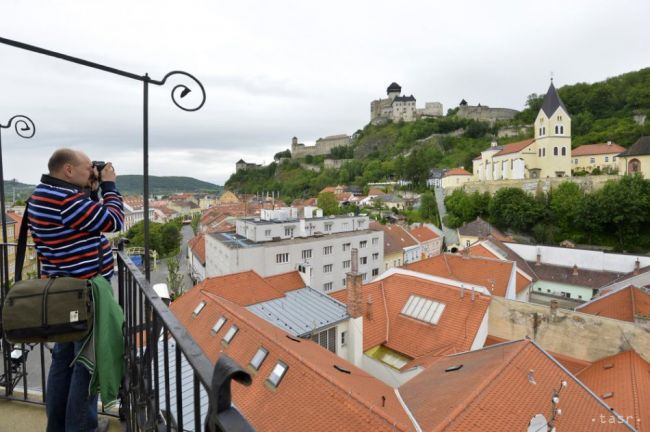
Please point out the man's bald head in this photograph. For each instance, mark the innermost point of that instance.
(60, 158)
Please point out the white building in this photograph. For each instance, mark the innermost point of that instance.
(278, 242)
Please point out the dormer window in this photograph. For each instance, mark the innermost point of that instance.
(198, 309)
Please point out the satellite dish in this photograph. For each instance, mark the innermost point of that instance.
(537, 423)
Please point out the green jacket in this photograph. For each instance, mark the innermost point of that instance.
(103, 350)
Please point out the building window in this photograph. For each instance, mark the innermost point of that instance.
(554, 151)
(543, 152)
(343, 335)
(198, 309)
(230, 334)
(363, 260)
(267, 233)
(343, 283)
(306, 254)
(364, 276)
(539, 152)
(563, 151)
(375, 241)
(606, 158)
(217, 326)
(592, 160)
(328, 227)
(327, 268)
(277, 373)
(282, 258)
(575, 161)
(346, 226)
(375, 256)
(363, 244)
(258, 358)
(327, 250)
(375, 272)
(327, 286)
(326, 339)
(346, 247)
(346, 264)
(288, 231)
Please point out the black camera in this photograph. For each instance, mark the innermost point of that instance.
(99, 165)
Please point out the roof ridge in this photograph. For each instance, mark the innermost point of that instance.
(485, 383)
(635, 390)
(384, 415)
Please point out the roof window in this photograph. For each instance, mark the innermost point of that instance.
(232, 331)
(453, 368)
(259, 357)
(217, 326)
(342, 369)
(608, 366)
(423, 309)
(198, 309)
(277, 373)
(608, 395)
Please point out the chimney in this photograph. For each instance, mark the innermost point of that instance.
(462, 291)
(369, 311)
(493, 143)
(609, 143)
(575, 270)
(637, 267)
(539, 258)
(354, 287)
(554, 306)
(473, 294)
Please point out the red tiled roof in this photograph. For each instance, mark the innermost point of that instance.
(312, 396)
(423, 234)
(623, 304)
(521, 283)
(396, 238)
(383, 323)
(478, 250)
(492, 390)
(456, 171)
(244, 288)
(597, 149)
(286, 281)
(197, 246)
(330, 189)
(376, 192)
(490, 273)
(626, 376)
(15, 217)
(515, 147)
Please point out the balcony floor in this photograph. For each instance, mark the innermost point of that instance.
(28, 417)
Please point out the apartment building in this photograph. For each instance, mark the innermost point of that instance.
(286, 239)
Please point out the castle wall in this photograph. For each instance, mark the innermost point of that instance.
(586, 183)
(323, 146)
(485, 113)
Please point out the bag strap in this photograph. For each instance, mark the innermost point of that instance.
(22, 245)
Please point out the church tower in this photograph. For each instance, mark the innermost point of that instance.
(553, 137)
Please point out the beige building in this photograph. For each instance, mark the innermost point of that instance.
(636, 159)
(548, 154)
(454, 178)
(228, 198)
(591, 156)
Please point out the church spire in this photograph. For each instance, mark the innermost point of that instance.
(552, 101)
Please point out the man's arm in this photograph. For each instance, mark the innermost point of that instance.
(83, 214)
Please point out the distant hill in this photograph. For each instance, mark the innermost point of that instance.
(132, 185)
(22, 190)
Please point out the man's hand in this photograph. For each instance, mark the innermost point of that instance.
(93, 181)
(108, 173)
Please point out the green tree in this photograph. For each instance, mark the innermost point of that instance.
(428, 209)
(514, 208)
(196, 219)
(281, 155)
(565, 203)
(627, 202)
(174, 278)
(327, 202)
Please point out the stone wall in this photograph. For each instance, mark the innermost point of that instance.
(578, 335)
(485, 113)
(323, 146)
(586, 183)
(335, 163)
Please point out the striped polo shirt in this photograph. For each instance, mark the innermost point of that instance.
(67, 226)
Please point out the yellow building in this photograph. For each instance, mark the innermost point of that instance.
(228, 198)
(454, 178)
(548, 154)
(636, 159)
(591, 156)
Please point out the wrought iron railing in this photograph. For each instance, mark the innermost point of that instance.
(169, 384)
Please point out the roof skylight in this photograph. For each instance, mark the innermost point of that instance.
(278, 373)
(232, 331)
(198, 308)
(217, 326)
(259, 357)
(423, 309)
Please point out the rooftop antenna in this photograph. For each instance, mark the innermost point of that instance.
(551, 77)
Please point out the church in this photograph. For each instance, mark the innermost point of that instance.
(548, 154)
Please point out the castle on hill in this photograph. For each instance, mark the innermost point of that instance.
(397, 107)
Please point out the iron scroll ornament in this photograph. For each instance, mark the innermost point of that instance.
(23, 125)
(181, 90)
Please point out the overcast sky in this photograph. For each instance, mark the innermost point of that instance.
(275, 69)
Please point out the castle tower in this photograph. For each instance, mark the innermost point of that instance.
(393, 90)
(553, 136)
